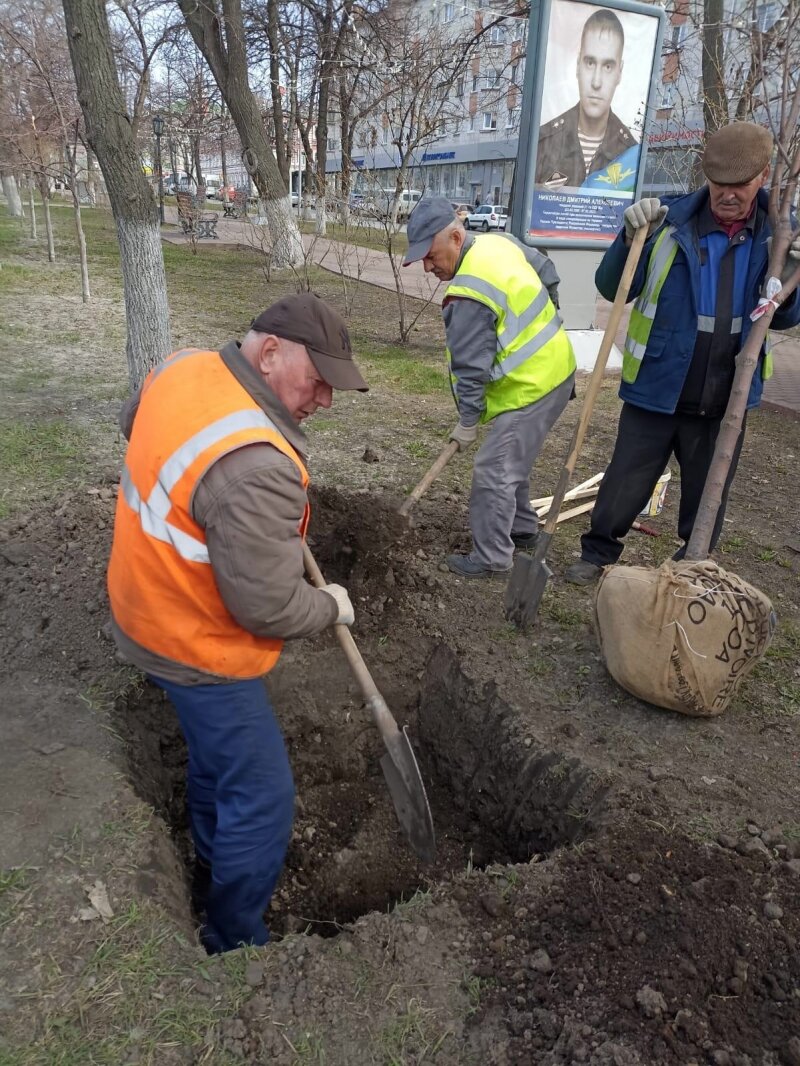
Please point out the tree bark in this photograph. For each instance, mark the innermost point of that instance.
(72, 157)
(13, 201)
(48, 228)
(32, 209)
(277, 100)
(135, 211)
(221, 41)
(91, 188)
(746, 365)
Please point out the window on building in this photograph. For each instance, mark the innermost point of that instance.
(493, 79)
(475, 81)
(513, 118)
(667, 99)
(385, 137)
(456, 127)
(449, 12)
(766, 15)
(679, 35)
(489, 120)
(472, 122)
(514, 73)
(497, 34)
(460, 87)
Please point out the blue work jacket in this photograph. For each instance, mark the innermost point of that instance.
(672, 339)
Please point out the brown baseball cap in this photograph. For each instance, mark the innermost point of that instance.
(737, 153)
(306, 319)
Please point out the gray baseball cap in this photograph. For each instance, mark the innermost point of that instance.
(425, 221)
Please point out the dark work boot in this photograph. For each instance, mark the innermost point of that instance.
(464, 566)
(583, 573)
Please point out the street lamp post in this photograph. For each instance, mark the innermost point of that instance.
(158, 129)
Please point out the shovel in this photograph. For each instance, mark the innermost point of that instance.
(444, 458)
(531, 572)
(398, 764)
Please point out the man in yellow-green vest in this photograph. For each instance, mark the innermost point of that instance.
(511, 365)
(701, 275)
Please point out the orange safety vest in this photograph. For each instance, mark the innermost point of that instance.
(160, 581)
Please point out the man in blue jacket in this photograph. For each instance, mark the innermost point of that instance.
(700, 276)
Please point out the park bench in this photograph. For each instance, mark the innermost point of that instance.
(237, 207)
(192, 217)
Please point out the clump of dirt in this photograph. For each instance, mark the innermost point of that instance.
(647, 947)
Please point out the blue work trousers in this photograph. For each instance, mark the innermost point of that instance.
(241, 803)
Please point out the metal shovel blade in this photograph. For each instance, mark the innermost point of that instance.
(408, 795)
(527, 584)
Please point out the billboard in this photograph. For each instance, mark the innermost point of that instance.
(585, 114)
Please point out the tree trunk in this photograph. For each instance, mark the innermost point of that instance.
(198, 168)
(221, 40)
(109, 133)
(44, 191)
(173, 160)
(91, 188)
(85, 292)
(32, 208)
(277, 101)
(223, 164)
(715, 97)
(13, 201)
(746, 365)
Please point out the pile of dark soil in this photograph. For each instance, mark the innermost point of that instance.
(645, 942)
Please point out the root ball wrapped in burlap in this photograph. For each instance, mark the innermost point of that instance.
(684, 636)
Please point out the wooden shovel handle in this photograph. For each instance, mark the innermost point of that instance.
(596, 380)
(384, 719)
(444, 458)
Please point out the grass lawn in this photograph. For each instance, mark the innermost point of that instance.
(62, 367)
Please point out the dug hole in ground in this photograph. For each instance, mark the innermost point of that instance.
(615, 884)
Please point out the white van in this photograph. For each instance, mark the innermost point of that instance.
(409, 198)
(213, 185)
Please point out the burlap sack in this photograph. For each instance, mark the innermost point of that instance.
(683, 636)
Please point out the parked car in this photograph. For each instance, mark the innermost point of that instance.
(486, 217)
(220, 194)
(461, 210)
(379, 204)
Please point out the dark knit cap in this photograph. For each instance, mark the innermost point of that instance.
(737, 153)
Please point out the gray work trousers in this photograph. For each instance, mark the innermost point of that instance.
(499, 502)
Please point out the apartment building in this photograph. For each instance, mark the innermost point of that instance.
(472, 147)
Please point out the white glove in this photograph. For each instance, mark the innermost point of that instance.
(648, 212)
(464, 436)
(346, 615)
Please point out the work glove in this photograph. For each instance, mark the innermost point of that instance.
(792, 256)
(346, 615)
(464, 436)
(647, 212)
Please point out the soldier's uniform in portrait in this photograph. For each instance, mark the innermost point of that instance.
(559, 160)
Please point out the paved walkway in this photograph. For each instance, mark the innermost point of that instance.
(374, 267)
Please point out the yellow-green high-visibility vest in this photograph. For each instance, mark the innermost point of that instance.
(534, 354)
(644, 310)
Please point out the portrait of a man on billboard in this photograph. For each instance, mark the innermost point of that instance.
(594, 70)
(588, 137)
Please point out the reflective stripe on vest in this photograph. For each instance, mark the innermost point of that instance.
(162, 589)
(533, 354)
(154, 510)
(644, 310)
